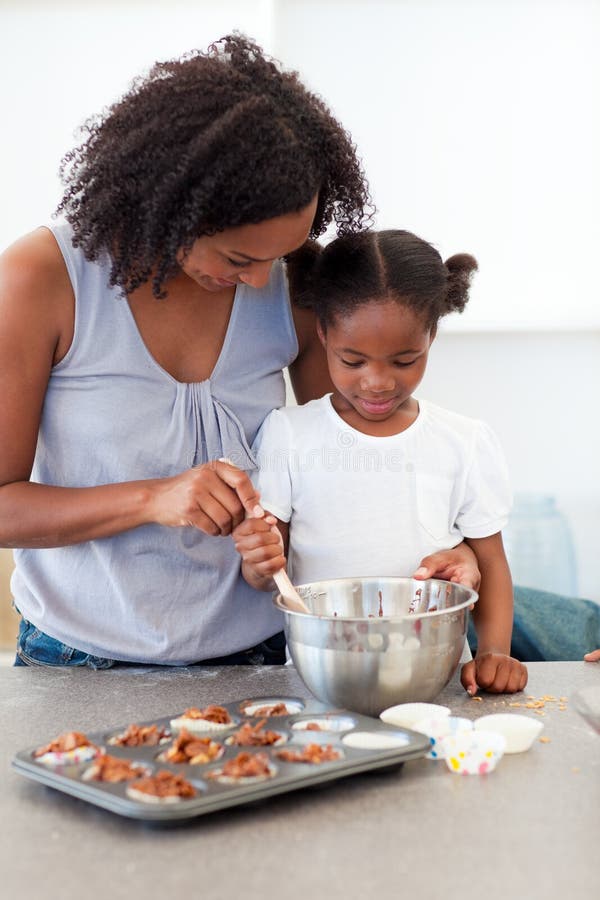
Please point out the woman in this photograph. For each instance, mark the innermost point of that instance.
(144, 341)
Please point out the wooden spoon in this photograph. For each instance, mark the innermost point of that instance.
(293, 600)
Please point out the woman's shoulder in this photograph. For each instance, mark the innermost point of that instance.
(35, 289)
(32, 260)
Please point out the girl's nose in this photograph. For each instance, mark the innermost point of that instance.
(257, 275)
(378, 380)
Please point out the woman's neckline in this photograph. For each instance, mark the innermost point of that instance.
(225, 343)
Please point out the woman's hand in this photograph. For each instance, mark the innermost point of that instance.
(213, 497)
(260, 544)
(594, 656)
(496, 673)
(458, 565)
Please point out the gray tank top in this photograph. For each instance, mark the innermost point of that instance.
(112, 414)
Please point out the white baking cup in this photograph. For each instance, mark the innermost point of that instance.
(216, 775)
(161, 758)
(406, 714)
(282, 739)
(142, 797)
(373, 740)
(473, 752)
(200, 726)
(519, 731)
(298, 748)
(68, 757)
(438, 727)
(292, 707)
(115, 741)
(91, 771)
(325, 723)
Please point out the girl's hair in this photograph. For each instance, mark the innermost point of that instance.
(375, 266)
(210, 141)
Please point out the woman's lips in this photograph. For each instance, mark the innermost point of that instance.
(377, 407)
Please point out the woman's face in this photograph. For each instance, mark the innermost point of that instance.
(245, 254)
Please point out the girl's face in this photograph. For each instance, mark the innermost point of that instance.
(245, 254)
(377, 357)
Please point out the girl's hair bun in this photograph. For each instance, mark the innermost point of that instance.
(460, 268)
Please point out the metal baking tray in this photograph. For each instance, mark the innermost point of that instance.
(389, 746)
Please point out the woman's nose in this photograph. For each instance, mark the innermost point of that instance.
(257, 275)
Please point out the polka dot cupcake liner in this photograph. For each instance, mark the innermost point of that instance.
(473, 752)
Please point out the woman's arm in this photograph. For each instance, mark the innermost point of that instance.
(493, 668)
(36, 330)
(308, 373)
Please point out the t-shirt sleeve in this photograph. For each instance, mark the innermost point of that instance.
(272, 450)
(488, 496)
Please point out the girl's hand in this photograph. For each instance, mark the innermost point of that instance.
(496, 673)
(213, 497)
(458, 565)
(594, 656)
(260, 544)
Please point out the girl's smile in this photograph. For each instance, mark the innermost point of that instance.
(377, 357)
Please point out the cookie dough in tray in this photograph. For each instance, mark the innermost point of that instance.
(361, 744)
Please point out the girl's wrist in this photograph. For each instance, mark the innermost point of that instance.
(257, 581)
(492, 649)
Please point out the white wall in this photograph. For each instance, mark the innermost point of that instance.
(477, 123)
(535, 390)
(66, 60)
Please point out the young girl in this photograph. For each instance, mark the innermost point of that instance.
(367, 480)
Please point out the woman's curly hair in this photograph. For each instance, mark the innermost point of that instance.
(374, 266)
(210, 141)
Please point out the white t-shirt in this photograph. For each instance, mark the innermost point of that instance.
(362, 506)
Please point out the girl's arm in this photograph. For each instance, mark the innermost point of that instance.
(36, 330)
(263, 545)
(493, 668)
(458, 565)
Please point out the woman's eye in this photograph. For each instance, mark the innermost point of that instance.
(236, 262)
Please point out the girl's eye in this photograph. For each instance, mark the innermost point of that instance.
(352, 364)
(403, 365)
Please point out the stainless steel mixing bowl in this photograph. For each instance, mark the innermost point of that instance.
(370, 643)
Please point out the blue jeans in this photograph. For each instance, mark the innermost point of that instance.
(34, 648)
(550, 627)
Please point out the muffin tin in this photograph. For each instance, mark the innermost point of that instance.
(364, 744)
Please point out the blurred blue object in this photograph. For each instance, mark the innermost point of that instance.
(550, 626)
(539, 545)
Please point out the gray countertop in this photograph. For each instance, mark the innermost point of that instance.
(530, 829)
